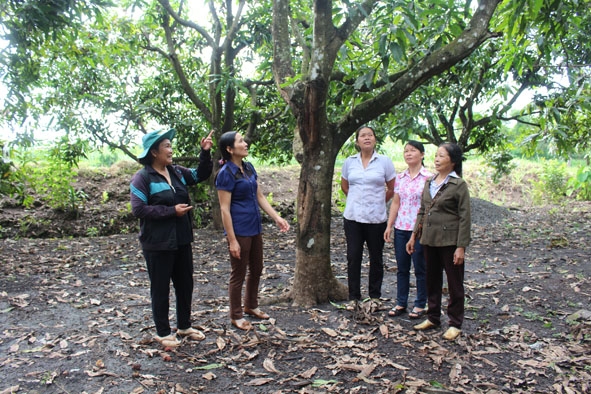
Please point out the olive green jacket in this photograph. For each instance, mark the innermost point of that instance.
(448, 221)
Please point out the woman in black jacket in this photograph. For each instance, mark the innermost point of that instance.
(160, 199)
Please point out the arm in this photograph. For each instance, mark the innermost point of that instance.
(225, 198)
(410, 245)
(345, 186)
(392, 217)
(465, 223)
(265, 206)
(390, 189)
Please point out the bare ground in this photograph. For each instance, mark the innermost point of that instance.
(75, 311)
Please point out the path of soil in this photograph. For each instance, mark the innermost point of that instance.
(75, 311)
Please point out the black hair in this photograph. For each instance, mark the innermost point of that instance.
(419, 146)
(455, 155)
(227, 140)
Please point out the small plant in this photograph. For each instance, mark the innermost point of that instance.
(92, 232)
(552, 183)
(105, 197)
(338, 197)
(580, 184)
(270, 199)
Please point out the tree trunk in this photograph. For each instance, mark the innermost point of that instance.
(314, 280)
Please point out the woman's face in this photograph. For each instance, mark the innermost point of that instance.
(443, 163)
(163, 155)
(240, 148)
(412, 155)
(366, 140)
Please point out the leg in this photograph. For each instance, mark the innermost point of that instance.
(255, 269)
(374, 237)
(403, 263)
(182, 279)
(455, 281)
(434, 282)
(239, 267)
(159, 264)
(418, 259)
(354, 237)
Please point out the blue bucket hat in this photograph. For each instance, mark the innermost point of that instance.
(148, 140)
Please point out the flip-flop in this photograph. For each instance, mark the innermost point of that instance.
(416, 313)
(396, 311)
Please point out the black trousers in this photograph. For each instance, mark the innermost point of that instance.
(357, 234)
(164, 266)
(439, 259)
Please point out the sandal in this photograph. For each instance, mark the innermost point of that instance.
(191, 333)
(417, 313)
(397, 311)
(169, 341)
(256, 312)
(242, 324)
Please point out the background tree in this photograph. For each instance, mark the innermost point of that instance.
(472, 101)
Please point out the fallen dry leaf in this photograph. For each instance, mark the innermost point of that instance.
(270, 366)
(259, 381)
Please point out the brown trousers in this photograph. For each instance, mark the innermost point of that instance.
(439, 259)
(248, 268)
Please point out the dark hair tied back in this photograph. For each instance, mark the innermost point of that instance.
(456, 156)
(226, 140)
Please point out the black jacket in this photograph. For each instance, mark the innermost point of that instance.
(153, 201)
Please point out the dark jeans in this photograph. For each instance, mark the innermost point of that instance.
(358, 234)
(248, 268)
(439, 259)
(403, 261)
(162, 267)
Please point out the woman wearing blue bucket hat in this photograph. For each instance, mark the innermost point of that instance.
(160, 199)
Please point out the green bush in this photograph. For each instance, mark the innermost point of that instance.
(552, 183)
(580, 184)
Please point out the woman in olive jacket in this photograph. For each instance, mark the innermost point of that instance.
(444, 220)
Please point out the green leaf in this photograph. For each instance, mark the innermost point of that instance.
(322, 382)
(209, 366)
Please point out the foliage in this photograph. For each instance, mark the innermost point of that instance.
(501, 162)
(52, 176)
(580, 184)
(552, 184)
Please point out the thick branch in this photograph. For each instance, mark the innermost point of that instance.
(433, 64)
(180, 72)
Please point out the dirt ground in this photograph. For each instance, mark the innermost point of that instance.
(75, 310)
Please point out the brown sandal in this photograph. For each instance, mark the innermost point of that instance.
(242, 324)
(256, 312)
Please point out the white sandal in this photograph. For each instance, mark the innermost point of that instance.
(192, 333)
(168, 341)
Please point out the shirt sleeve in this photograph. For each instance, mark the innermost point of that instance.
(345, 169)
(225, 180)
(389, 170)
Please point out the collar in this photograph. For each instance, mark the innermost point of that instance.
(373, 156)
(423, 171)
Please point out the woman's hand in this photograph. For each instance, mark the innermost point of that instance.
(410, 245)
(207, 142)
(282, 224)
(234, 247)
(459, 256)
(182, 209)
(387, 233)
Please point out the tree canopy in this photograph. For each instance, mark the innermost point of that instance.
(445, 70)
